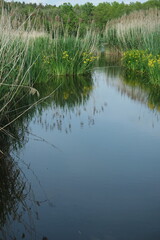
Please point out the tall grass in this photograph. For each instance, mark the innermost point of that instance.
(138, 30)
(15, 65)
(137, 36)
(27, 55)
(12, 55)
(65, 55)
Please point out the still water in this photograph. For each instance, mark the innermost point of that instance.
(89, 163)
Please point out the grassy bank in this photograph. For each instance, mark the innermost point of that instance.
(144, 64)
(138, 42)
(26, 56)
(138, 30)
(65, 55)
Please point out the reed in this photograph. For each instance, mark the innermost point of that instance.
(128, 33)
(139, 42)
(15, 65)
(65, 55)
(25, 56)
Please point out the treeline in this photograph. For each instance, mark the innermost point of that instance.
(49, 17)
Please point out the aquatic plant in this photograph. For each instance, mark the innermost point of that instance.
(143, 63)
(65, 55)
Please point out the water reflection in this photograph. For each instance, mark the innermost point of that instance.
(12, 194)
(11, 189)
(18, 205)
(114, 76)
(133, 86)
(152, 99)
(103, 182)
(75, 100)
(70, 99)
(70, 91)
(127, 83)
(71, 96)
(109, 58)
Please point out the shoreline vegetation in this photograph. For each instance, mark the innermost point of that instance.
(29, 57)
(139, 44)
(41, 42)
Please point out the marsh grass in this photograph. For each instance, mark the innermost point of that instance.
(12, 56)
(138, 30)
(65, 55)
(25, 56)
(15, 66)
(138, 36)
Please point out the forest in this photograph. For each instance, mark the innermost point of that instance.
(47, 17)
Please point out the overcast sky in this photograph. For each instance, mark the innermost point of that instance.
(73, 2)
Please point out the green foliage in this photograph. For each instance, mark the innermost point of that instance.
(64, 55)
(22, 63)
(70, 57)
(71, 17)
(134, 39)
(143, 63)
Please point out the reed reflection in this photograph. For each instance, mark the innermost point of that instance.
(127, 83)
(18, 205)
(70, 100)
(151, 93)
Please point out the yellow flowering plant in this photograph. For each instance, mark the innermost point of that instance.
(142, 62)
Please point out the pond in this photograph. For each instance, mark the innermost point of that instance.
(85, 164)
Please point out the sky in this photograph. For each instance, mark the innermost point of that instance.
(73, 2)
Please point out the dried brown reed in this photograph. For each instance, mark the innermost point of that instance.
(146, 20)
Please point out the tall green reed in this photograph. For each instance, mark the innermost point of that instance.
(27, 55)
(65, 55)
(15, 65)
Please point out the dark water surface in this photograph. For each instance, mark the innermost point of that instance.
(101, 179)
